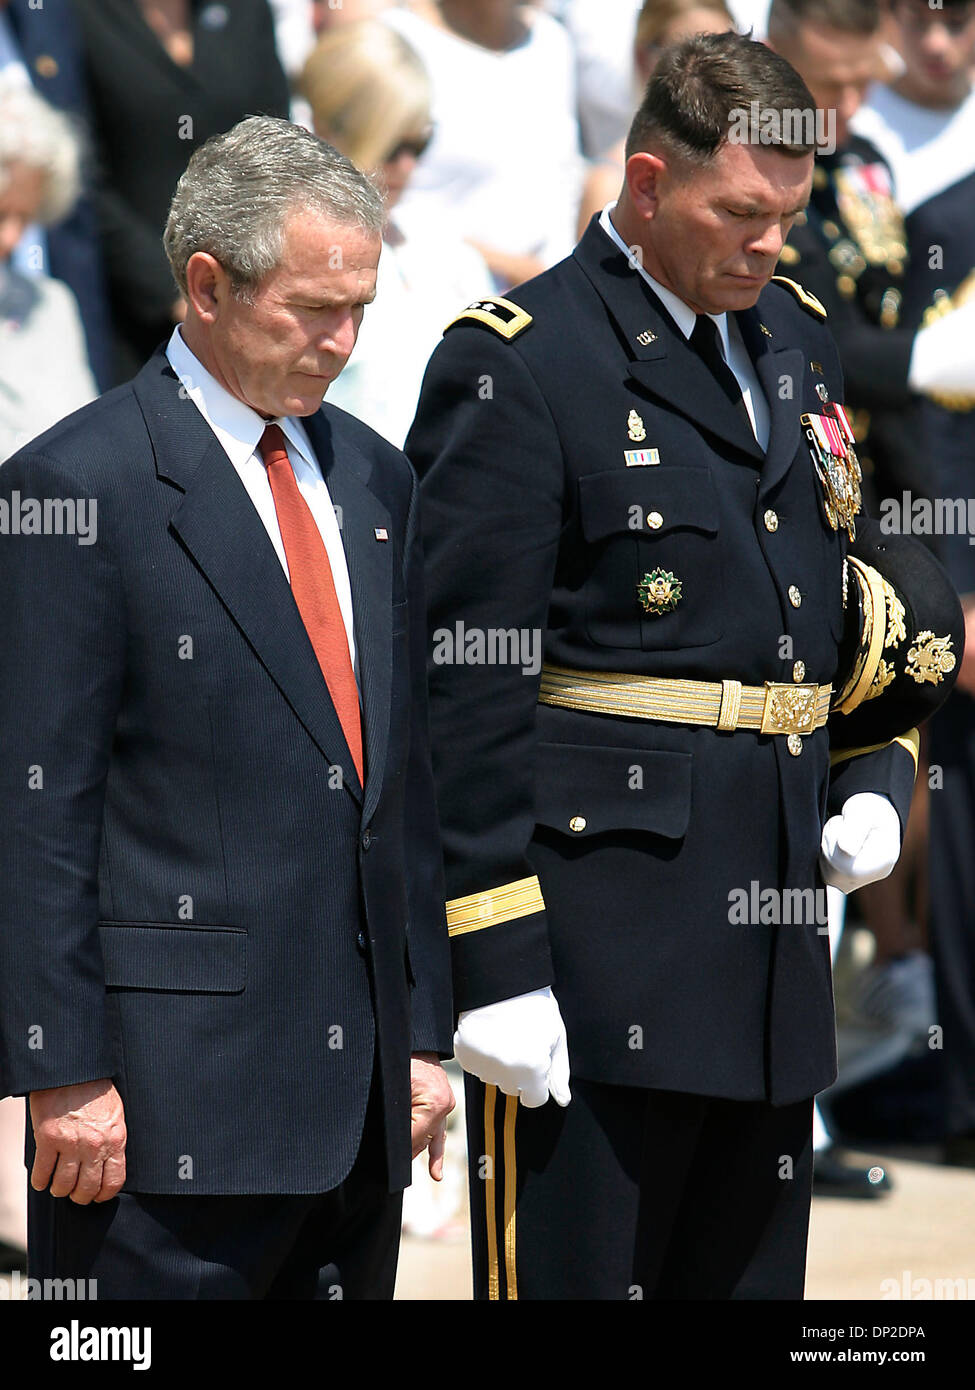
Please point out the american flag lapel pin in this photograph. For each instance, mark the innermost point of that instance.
(381, 533)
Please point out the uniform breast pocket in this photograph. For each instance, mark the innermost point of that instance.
(655, 578)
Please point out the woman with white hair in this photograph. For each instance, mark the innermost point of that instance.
(44, 372)
(370, 97)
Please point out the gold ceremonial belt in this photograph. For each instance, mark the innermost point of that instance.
(773, 708)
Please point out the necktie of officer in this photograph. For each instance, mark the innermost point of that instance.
(314, 588)
(704, 341)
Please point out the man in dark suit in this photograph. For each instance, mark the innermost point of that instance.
(639, 492)
(221, 934)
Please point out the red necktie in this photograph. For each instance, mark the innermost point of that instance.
(314, 589)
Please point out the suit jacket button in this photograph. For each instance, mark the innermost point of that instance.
(360, 941)
(366, 840)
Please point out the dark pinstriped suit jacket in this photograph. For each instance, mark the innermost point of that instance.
(197, 901)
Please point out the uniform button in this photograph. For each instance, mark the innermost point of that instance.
(771, 520)
(360, 941)
(366, 840)
(795, 598)
(799, 671)
(577, 823)
(795, 745)
(654, 521)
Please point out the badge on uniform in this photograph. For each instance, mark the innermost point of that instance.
(641, 458)
(659, 592)
(831, 443)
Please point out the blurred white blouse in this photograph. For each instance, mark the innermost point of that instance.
(44, 372)
(424, 281)
(504, 166)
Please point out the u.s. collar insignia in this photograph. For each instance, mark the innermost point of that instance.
(634, 427)
(831, 444)
(646, 337)
(659, 592)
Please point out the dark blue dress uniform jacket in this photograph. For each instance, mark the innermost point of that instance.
(534, 521)
(195, 902)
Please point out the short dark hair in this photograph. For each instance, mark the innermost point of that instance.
(848, 16)
(702, 85)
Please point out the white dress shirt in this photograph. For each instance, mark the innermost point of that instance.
(238, 430)
(729, 335)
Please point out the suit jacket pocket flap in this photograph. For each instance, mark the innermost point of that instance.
(174, 956)
(584, 791)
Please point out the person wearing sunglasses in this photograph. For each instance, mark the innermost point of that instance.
(370, 97)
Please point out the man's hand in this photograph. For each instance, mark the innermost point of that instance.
(432, 1101)
(518, 1045)
(861, 845)
(80, 1136)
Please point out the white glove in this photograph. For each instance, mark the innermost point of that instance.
(943, 356)
(861, 845)
(518, 1045)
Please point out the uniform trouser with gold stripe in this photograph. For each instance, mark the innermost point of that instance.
(631, 1193)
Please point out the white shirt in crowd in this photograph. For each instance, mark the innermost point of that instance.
(44, 372)
(424, 281)
(503, 167)
(238, 430)
(927, 150)
(608, 93)
(603, 33)
(729, 335)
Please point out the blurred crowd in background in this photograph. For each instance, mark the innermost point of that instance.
(495, 130)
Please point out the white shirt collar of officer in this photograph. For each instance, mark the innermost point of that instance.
(732, 344)
(683, 315)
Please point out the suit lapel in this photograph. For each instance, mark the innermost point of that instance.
(217, 523)
(370, 562)
(780, 376)
(666, 365)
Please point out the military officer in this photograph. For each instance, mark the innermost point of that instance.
(639, 497)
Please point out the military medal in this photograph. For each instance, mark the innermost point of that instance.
(635, 428)
(865, 202)
(641, 458)
(659, 592)
(831, 444)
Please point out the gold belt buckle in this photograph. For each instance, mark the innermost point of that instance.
(789, 709)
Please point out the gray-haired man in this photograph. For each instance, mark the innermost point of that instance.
(222, 936)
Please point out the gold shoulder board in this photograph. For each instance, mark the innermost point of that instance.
(807, 300)
(500, 314)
